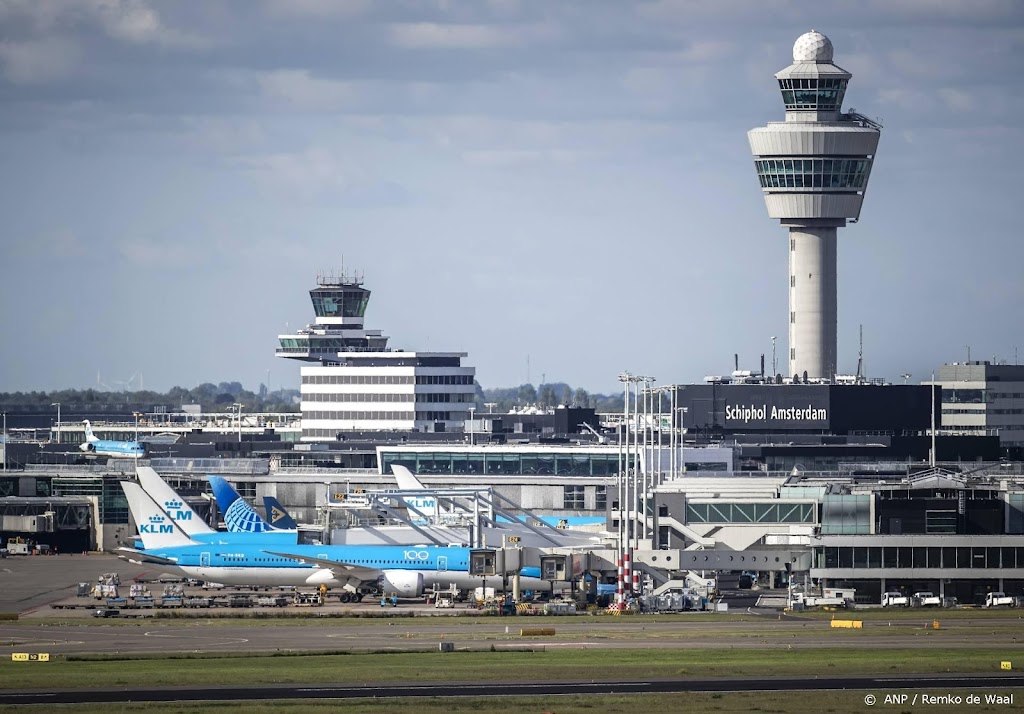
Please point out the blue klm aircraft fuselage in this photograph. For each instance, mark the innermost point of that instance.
(404, 569)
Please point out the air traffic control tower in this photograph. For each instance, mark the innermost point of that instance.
(814, 170)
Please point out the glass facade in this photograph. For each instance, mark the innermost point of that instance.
(903, 557)
(767, 512)
(520, 463)
(320, 343)
(963, 396)
(112, 501)
(348, 302)
(823, 94)
(573, 497)
(846, 174)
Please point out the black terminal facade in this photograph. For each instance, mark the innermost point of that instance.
(822, 426)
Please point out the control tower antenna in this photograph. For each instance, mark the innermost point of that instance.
(814, 170)
(860, 357)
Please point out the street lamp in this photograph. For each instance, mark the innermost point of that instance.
(239, 407)
(57, 404)
(5, 441)
(136, 415)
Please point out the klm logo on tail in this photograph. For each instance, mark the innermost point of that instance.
(176, 510)
(157, 524)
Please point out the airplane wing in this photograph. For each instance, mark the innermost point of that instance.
(360, 572)
(138, 556)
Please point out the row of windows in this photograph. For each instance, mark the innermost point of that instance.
(813, 173)
(340, 303)
(379, 416)
(963, 396)
(440, 397)
(512, 464)
(386, 397)
(918, 557)
(387, 379)
(573, 498)
(813, 94)
(814, 83)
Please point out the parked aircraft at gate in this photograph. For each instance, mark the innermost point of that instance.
(115, 449)
(404, 570)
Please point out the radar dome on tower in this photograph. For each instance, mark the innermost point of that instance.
(812, 47)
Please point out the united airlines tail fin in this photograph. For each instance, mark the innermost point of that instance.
(89, 436)
(156, 528)
(406, 480)
(276, 514)
(166, 497)
(238, 515)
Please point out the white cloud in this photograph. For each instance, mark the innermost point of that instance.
(317, 9)
(956, 100)
(133, 21)
(299, 88)
(310, 172)
(38, 61)
(435, 36)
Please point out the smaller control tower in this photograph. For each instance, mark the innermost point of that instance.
(814, 170)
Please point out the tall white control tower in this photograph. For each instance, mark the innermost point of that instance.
(814, 170)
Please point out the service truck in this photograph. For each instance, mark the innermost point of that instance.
(927, 599)
(807, 600)
(895, 599)
(998, 599)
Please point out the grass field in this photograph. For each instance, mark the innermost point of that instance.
(540, 666)
(489, 662)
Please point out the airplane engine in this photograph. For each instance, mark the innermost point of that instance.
(403, 583)
(321, 576)
(87, 446)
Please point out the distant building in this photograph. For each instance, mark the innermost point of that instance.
(359, 383)
(981, 398)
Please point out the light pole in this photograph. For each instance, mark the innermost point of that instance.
(239, 407)
(57, 404)
(625, 378)
(5, 441)
(136, 415)
(680, 462)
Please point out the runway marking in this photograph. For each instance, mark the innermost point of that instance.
(191, 636)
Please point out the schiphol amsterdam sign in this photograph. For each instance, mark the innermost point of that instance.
(747, 413)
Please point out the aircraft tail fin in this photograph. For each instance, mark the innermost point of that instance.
(238, 515)
(89, 436)
(156, 528)
(278, 517)
(175, 506)
(406, 480)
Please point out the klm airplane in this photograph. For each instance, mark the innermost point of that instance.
(406, 570)
(177, 510)
(115, 449)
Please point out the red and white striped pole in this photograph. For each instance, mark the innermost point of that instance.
(627, 567)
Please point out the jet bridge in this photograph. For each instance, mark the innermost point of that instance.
(476, 516)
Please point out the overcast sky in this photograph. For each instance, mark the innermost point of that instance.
(564, 185)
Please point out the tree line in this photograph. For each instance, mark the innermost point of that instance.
(220, 398)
